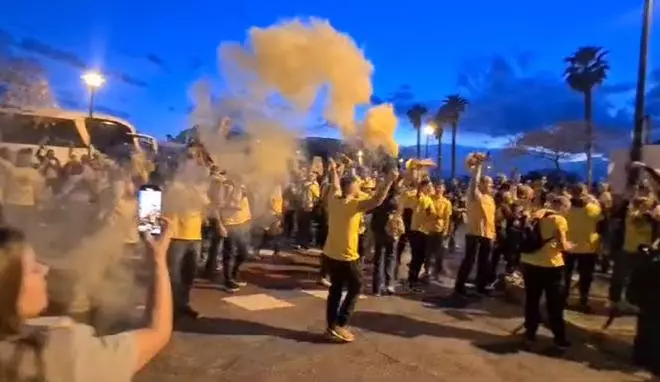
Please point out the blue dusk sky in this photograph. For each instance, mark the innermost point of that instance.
(505, 56)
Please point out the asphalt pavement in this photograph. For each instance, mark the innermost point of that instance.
(272, 331)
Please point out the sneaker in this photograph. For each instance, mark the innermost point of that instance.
(231, 286)
(390, 290)
(240, 283)
(562, 344)
(344, 334)
(325, 282)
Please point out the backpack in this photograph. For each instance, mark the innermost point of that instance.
(531, 238)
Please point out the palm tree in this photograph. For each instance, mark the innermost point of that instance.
(454, 106)
(586, 69)
(439, 121)
(415, 115)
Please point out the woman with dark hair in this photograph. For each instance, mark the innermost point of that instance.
(34, 348)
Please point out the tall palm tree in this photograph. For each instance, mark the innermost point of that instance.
(586, 69)
(439, 122)
(455, 106)
(415, 115)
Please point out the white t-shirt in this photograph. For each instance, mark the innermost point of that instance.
(70, 352)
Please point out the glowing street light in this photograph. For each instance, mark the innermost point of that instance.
(429, 130)
(93, 80)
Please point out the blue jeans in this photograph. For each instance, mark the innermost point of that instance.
(384, 262)
(235, 250)
(182, 263)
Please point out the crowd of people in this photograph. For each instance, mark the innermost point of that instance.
(541, 233)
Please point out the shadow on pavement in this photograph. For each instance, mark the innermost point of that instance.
(227, 326)
(402, 326)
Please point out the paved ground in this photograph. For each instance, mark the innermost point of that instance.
(271, 331)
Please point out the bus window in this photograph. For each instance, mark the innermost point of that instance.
(109, 136)
(36, 130)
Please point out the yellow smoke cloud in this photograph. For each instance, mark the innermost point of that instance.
(379, 127)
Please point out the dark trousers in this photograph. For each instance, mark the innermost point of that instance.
(321, 220)
(624, 263)
(304, 234)
(476, 248)
(403, 240)
(646, 348)
(435, 253)
(324, 271)
(288, 223)
(418, 254)
(586, 265)
(384, 262)
(215, 246)
(344, 276)
(540, 280)
(235, 250)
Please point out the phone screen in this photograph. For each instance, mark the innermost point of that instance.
(150, 208)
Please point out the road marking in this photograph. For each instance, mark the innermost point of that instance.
(322, 293)
(256, 302)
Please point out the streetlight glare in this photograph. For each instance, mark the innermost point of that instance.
(429, 129)
(93, 79)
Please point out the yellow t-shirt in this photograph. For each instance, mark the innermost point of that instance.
(343, 229)
(239, 215)
(481, 216)
(550, 255)
(423, 214)
(583, 222)
(409, 199)
(277, 202)
(441, 219)
(23, 186)
(639, 231)
(187, 225)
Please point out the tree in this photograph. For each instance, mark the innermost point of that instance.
(555, 144)
(586, 69)
(415, 115)
(559, 142)
(440, 119)
(454, 106)
(23, 83)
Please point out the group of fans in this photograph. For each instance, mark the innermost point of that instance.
(542, 232)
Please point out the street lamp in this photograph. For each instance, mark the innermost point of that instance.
(638, 130)
(428, 131)
(93, 80)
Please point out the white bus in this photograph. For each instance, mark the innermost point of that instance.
(64, 131)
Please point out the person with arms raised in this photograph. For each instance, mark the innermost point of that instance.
(480, 225)
(341, 247)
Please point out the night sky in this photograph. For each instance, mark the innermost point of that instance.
(505, 56)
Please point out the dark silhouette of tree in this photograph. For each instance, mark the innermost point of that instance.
(454, 106)
(440, 119)
(415, 115)
(586, 69)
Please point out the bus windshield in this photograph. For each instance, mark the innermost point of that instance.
(109, 136)
(37, 130)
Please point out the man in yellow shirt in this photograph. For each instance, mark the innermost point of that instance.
(185, 206)
(438, 232)
(423, 213)
(583, 219)
(236, 218)
(543, 271)
(341, 248)
(480, 230)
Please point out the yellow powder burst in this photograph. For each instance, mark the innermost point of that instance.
(298, 59)
(379, 127)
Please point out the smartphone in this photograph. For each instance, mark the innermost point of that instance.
(150, 209)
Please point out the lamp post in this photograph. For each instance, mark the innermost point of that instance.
(428, 131)
(638, 130)
(93, 80)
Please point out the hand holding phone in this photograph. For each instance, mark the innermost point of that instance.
(150, 210)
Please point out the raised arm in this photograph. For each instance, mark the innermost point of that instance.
(380, 194)
(473, 189)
